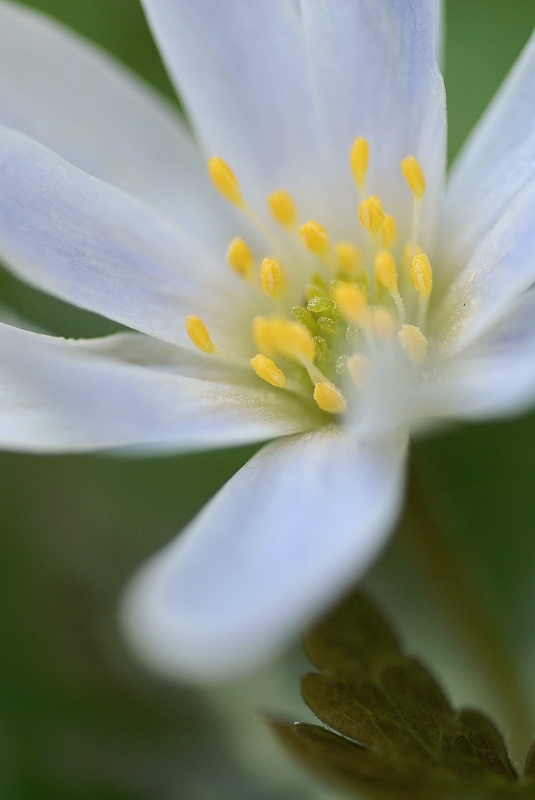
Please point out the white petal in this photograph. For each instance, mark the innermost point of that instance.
(58, 395)
(500, 270)
(72, 97)
(375, 74)
(496, 164)
(93, 245)
(280, 541)
(241, 72)
(496, 375)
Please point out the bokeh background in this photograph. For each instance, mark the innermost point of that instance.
(79, 719)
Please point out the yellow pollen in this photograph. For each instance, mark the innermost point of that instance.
(348, 257)
(422, 275)
(272, 277)
(413, 342)
(358, 367)
(385, 269)
(263, 336)
(315, 237)
(352, 302)
(414, 175)
(225, 180)
(408, 254)
(239, 257)
(358, 158)
(198, 333)
(388, 231)
(283, 208)
(383, 324)
(293, 340)
(329, 398)
(371, 214)
(266, 369)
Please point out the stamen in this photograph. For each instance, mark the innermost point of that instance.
(266, 369)
(352, 303)
(358, 158)
(348, 257)
(225, 180)
(358, 366)
(272, 277)
(383, 324)
(422, 275)
(198, 333)
(409, 251)
(315, 237)
(263, 336)
(387, 274)
(329, 398)
(388, 231)
(239, 257)
(371, 214)
(413, 342)
(283, 208)
(293, 340)
(414, 175)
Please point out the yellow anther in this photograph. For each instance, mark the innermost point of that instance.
(348, 257)
(413, 342)
(329, 398)
(358, 367)
(414, 175)
(385, 270)
(388, 231)
(198, 333)
(358, 158)
(383, 324)
(352, 302)
(408, 254)
(225, 180)
(283, 208)
(371, 214)
(266, 369)
(239, 257)
(293, 340)
(422, 275)
(272, 277)
(263, 336)
(315, 237)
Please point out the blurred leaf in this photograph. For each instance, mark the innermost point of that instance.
(394, 734)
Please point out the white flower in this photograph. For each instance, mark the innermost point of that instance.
(108, 206)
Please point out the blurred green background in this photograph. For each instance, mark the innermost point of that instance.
(78, 719)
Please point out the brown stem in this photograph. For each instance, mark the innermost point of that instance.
(447, 575)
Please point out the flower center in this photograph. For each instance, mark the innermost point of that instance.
(357, 301)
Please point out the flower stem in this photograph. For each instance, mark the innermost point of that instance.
(426, 532)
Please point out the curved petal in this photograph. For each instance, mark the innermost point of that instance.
(72, 97)
(241, 71)
(280, 541)
(375, 74)
(63, 396)
(95, 246)
(496, 164)
(495, 375)
(500, 270)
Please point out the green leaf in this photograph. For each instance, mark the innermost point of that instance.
(392, 734)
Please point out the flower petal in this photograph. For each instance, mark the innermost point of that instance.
(95, 246)
(241, 71)
(496, 374)
(280, 541)
(58, 395)
(375, 74)
(72, 97)
(495, 165)
(500, 270)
